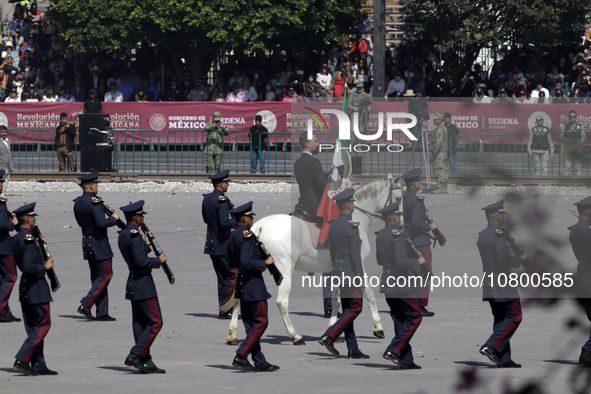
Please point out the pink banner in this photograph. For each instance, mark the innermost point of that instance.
(183, 122)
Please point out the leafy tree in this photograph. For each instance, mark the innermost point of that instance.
(484, 23)
(196, 30)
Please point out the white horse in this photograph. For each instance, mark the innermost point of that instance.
(280, 232)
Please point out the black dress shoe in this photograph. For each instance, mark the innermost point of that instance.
(509, 364)
(225, 315)
(8, 318)
(266, 367)
(46, 371)
(491, 353)
(243, 363)
(327, 314)
(413, 366)
(26, 368)
(356, 353)
(395, 359)
(327, 342)
(426, 313)
(133, 360)
(105, 318)
(585, 358)
(84, 310)
(150, 367)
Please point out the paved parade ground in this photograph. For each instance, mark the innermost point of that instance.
(191, 346)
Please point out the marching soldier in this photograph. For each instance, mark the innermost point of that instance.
(403, 300)
(415, 221)
(573, 136)
(345, 253)
(539, 144)
(214, 146)
(90, 215)
(8, 273)
(140, 289)
(215, 209)
(243, 254)
(504, 301)
(34, 294)
(440, 149)
(580, 234)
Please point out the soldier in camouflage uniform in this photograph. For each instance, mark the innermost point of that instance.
(360, 102)
(440, 149)
(573, 136)
(214, 145)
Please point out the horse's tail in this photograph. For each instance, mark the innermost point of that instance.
(231, 303)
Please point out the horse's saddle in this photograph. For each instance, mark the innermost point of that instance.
(312, 223)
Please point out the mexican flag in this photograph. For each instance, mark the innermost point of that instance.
(340, 179)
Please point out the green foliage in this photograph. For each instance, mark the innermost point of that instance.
(94, 26)
(544, 23)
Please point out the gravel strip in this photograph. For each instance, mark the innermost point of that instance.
(272, 187)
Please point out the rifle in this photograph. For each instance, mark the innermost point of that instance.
(515, 247)
(425, 271)
(273, 270)
(437, 233)
(158, 251)
(55, 282)
(110, 211)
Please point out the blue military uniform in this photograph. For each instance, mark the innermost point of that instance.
(504, 300)
(580, 235)
(415, 222)
(215, 209)
(140, 288)
(345, 253)
(34, 295)
(244, 256)
(403, 301)
(90, 215)
(8, 274)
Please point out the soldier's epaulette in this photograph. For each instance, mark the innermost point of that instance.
(223, 198)
(396, 232)
(246, 234)
(29, 237)
(96, 200)
(134, 231)
(420, 198)
(3, 199)
(499, 232)
(354, 224)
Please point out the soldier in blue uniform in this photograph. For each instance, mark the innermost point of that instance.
(90, 215)
(215, 209)
(8, 273)
(34, 294)
(244, 256)
(140, 288)
(416, 223)
(401, 296)
(504, 300)
(580, 235)
(345, 253)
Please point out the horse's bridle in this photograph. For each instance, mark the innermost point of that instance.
(389, 201)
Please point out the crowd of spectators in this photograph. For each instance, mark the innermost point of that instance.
(36, 68)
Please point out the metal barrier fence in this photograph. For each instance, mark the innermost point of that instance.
(483, 154)
(186, 152)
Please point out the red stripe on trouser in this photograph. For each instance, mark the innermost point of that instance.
(347, 318)
(108, 275)
(427, 256)
(43, 330)
(232, 285)
(415, 324)
(257, 333)
(157, 319)
(11, 268)
(512, 327)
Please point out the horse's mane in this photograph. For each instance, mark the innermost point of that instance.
(372, 189)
